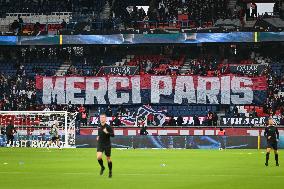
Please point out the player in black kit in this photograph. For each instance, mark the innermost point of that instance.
(272, 135)
(104, 144)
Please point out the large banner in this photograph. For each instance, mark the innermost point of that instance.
(185, 89)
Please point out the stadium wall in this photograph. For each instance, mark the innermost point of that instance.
(115, 39)
(182, 131)
(156, 142)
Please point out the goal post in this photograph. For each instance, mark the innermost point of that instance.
(33, 126)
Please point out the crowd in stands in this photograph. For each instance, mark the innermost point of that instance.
(44, 6)
(17, 82)
(18, 93)
(197, 10)
(87, 15)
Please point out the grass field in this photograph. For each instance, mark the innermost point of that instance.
(137, 169)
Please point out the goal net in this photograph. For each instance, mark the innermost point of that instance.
(33, 127)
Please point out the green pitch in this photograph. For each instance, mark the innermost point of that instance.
(139, 169)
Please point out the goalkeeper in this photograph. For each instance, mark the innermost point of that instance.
(54, 135)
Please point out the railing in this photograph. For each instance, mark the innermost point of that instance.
(115, 25)
(112, 27)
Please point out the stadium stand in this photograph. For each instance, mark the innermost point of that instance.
(20, 66)
(147, 83)
(87, 17)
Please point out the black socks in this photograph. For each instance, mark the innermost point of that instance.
(101, 163)
(267, 157)
(276, 158)
(110, 166)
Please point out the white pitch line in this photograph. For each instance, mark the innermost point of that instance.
(3, 172)
(156, 174)
(141, 174)
(124, 174)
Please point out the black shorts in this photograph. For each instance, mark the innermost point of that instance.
(272, 144)
(104, 149)
(53, 139)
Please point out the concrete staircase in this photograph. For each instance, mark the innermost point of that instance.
(186, 66)
(62, 69)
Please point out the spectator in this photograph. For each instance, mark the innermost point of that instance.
(108, 112)
(63, 24)
(116, 122)
(196, 121)
(253, 10)
(215, 119)
(70, 107)
(37, 29)
(150, 119)
(172, 121)
(141, 121)
(143, 131)
(21, 23)
(15, 26)
(180, 121)
(210, 119)
(253, 113)
(121, 110)
(82, 109)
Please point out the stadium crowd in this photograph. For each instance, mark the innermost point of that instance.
(115, 15)
(18, 81)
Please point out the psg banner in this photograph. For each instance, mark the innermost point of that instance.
(247, 69)
(145, 89)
